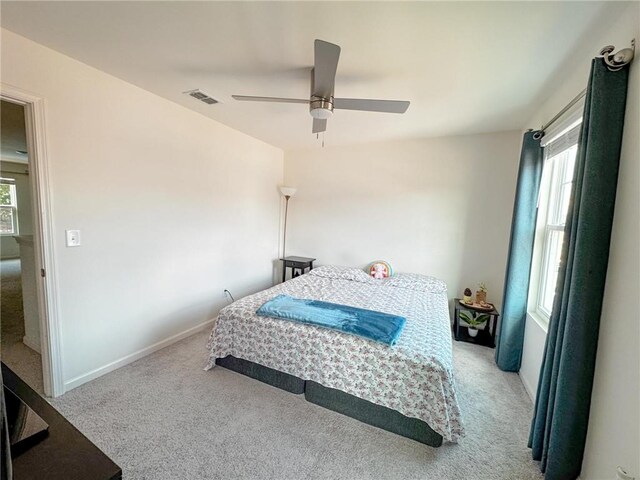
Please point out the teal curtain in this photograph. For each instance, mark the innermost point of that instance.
(559, 427)
(516, 282)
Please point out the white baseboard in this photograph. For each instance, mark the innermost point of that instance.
(110, 367)
(527, 387)
(32, 345)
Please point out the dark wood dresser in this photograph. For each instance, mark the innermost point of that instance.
(65, 453)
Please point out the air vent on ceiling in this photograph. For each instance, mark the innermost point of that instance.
(203, 97)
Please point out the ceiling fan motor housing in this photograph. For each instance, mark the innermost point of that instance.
(321, 107)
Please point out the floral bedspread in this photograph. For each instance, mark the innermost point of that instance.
(414, 377)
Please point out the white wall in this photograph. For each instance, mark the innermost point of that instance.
(18, 171)
(173, 208)
(438, 206)
(614, 425)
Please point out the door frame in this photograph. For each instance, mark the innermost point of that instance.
(44, 245)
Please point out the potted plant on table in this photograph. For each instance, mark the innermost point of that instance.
(481, 294)
(474, 321)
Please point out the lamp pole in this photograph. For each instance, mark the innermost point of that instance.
(286, 212)
(287, 193)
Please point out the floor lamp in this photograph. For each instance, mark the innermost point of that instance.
(287, 193)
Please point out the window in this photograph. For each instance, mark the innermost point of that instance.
(557, 181)
(8, 207)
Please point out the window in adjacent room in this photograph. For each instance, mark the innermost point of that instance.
(8, 207)
(560, 149)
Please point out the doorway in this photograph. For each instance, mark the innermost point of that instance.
(19, 315)
(29, 329)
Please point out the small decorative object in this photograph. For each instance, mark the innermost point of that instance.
(380, 269)
(481, 294)
(467, 296)
(474, 321)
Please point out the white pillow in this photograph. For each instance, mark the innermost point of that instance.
(342, 273)
(415, 281)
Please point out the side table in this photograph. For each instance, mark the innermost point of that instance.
(486, 336)
(298, 265)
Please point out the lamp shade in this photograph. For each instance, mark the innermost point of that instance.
(288, 191)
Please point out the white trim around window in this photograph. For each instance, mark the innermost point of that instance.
(9, 209)
(560, 149)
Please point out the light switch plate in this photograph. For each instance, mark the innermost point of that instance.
(73, 238)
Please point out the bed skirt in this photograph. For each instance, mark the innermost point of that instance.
(275, 378)
(338, 401)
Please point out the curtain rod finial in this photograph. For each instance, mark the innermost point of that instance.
(618, 60)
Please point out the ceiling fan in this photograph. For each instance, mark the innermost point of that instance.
(322, 102)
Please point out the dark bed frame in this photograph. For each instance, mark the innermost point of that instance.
(338, 401)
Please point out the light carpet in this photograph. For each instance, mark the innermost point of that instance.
(163, 417)
(27, 363)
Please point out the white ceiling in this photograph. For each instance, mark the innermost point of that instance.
(466, 67)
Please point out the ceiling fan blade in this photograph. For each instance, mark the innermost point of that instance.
(386, 106)
(324, 68)
(319, 125)
(248, 98)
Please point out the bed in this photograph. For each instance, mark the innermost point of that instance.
(408, 388)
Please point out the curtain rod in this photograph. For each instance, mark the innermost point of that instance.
(540, 133)
(614, 63)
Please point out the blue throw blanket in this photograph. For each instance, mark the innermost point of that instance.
(377, 326)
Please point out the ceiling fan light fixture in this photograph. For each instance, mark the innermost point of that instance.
(321, 108)
(321, 113)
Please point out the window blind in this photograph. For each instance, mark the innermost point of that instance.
(563, 142)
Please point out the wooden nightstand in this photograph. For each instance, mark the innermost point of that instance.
(298, 265)
(486, 337)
